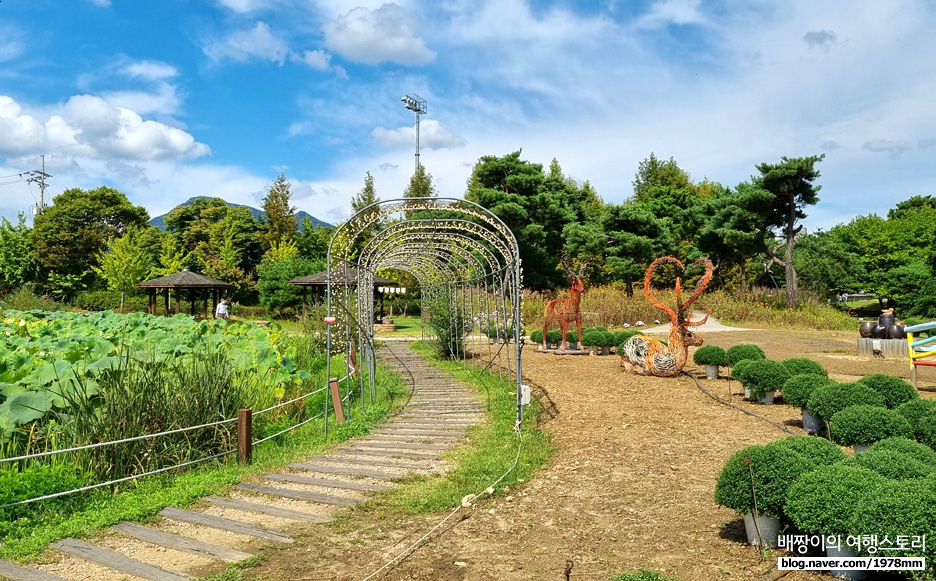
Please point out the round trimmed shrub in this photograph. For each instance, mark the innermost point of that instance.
(915, 410)
(592, 337)
(801, 365)
(765, 375)
(554, 337)
(739, 369)
(572, 337)
(896, 391)
(823, 501)
(892, 464)
(710, 355)
(536, 337)
(900, 508)
(774, 468)
(925, 430)
(737, 353)
(818, 451)
(916, 450)
(621, 337)
(797, 389)
(824, 402)
(866, 424)
(607, 339)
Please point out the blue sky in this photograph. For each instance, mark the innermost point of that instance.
(177, 98)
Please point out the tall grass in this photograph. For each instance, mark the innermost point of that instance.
(25, 298)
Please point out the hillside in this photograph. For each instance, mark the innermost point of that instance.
(160, 222)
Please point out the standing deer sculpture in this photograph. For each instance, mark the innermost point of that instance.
(645, 356)
(565, 311)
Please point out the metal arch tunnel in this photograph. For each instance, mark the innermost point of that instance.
(468, 266)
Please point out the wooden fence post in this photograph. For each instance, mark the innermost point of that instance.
(336, 398)
(244, 436)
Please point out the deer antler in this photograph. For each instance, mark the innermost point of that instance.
(566, 266)
(582, 268)
(700, 287)
(648, 293)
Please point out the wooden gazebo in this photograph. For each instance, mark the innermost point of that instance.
(346, 275)
(185, 279)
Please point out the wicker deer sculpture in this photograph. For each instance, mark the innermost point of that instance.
(565, 311)
(645, 356)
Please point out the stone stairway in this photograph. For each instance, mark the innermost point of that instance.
(189, 543)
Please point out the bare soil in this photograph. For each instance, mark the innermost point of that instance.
(631, 486)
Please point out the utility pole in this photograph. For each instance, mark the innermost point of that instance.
(417, 105)
(39, 177)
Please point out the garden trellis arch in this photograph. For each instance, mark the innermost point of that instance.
(467, 263)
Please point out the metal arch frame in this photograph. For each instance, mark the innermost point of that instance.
(458, 249)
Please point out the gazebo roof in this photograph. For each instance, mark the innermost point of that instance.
(185, 279)
(346, 275)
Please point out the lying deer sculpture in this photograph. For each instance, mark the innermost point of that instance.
(645, 356)
(567, 311)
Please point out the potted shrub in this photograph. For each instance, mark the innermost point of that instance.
(738, 374)
(818, 451)
(801, 365)
(796, 391)
(862, 425)
(906, 446)
(536, 337)
(572, 339)
(744, 351)
(764, 473)
(764, 377)
(901, 508)
(554, 338)
(824, 501)
(915, 410)
(712, 357)
(593, 338)
(892, 464)
(896, 391)
(607, 340)
(824, 402)
(622, 337)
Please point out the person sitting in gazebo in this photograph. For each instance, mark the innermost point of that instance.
(221, 311)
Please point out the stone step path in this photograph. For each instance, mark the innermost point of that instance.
(230, 529)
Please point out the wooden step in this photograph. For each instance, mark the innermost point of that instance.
(399, 445)
(226, 524)
(16, 573)
(180, 543)
(368, 462)
(115, 560)
(326, 482)
(390, 454)
(266, 509)
(351, 471)
(298, 494)
(416, 432)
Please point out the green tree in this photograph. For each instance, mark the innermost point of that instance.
(635, 239)
(731, 234)
(276, 293)
(69, 235)
(826, 267)
(280, 217)
(17, 264)
(652, 173)
(420, 185)
(172, 256)
(790, 182)
(313, 241)
(366, 197)
(125, 263)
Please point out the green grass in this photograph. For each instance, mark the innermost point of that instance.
(27, 537)
(490, 453)
(406, 327)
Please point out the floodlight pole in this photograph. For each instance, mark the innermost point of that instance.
(417, 105)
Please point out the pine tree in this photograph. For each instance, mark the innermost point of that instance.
(280, 216)
(420, 185)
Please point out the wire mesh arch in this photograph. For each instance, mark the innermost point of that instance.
(467, 264)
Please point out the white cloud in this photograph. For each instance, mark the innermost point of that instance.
(431, 136)
(374, 36)
(243, 45)
(244, 6)
(892, 148)
(149, 70)
(101, 3)
(316, 59)
(91, 127)
(666, 12)
(12, 46)
(822, 39)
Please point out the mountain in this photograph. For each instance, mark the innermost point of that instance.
(160, 221)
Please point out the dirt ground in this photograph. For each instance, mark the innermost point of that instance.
(631, 486)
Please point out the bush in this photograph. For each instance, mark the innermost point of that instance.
(273, 281)
(925, 430)
(908, 447)
(801, 365)
(249, 312)
(739, 369)
(823, 501)
(593, 337)
(866, 424)
(37, 481)
(26, 299)
(891, 464)
(554, 337)
(896, 391)
(621, 337)
(824, 402)
(710, 355)
(901, 508)
(819, 451)
(572, 337)
(737, 353)
(765, 375)
(797, 389)
(537, 337)
(915, 410)
(774, 468)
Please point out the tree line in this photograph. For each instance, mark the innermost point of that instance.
(95, 239)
